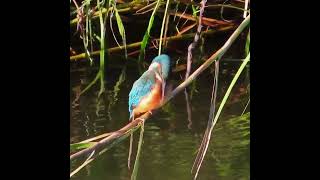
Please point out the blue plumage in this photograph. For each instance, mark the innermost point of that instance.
(164, 61)
(141, 88)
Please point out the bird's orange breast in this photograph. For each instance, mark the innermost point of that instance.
(150, 101)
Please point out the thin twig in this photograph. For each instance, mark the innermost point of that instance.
(132, 6)
(204, 20)
(244, 110)
(96, 138)
(206, 137)
(166, 31)
(114, 135)
(245, 7)
(145, 7)
(226, 6)
(162, 27)
(87, 161)
(186, 29)
(195, 40)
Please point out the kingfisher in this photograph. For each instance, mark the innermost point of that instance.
(147, 92)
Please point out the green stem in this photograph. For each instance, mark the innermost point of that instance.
(136, 163)
(147, 33)
(233, 82)
(162, 27)
(102, 52)
(227, 6)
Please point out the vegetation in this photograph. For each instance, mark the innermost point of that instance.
(92, 20)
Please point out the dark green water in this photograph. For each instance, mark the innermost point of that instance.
(172, 136)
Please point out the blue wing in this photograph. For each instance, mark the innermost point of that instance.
(141, 88)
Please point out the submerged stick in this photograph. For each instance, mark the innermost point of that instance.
(137, 122)
(138, 44)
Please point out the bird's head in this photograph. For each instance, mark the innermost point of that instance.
(161, 63)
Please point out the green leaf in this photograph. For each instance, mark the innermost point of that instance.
(247, 48)
(194, 11)
(78, 146)
(147, 33)
(121, 29)
(143, 46)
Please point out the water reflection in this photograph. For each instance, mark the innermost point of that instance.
(169, 146)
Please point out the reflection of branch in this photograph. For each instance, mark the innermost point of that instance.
(244, 110)
(133, 125)
(188, 108)
(206, 137)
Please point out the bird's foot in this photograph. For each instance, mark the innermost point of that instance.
(141, 119)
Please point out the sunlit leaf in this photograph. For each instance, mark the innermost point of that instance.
(247, 48)
(78, 146)
(121, 30)
(147, 33)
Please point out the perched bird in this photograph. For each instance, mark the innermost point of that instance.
(147, 92)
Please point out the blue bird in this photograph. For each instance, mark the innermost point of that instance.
(147, 92)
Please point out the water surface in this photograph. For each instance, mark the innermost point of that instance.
(172, 136)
